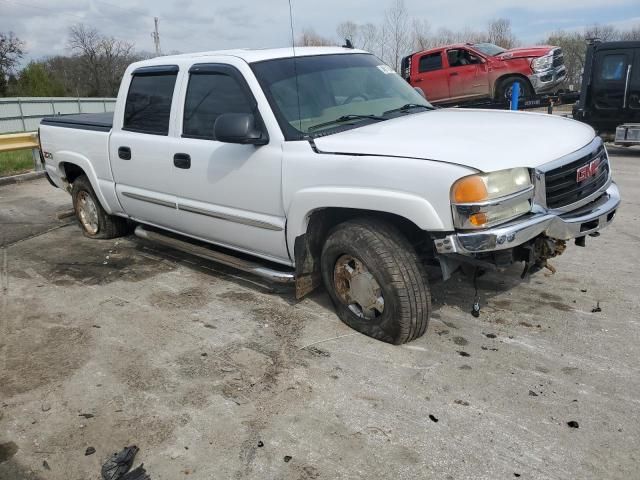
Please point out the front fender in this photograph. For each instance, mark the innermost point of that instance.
(412, 207)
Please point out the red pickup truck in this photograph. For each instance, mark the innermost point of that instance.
(466, 71)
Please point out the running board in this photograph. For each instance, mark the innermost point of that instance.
(248, 266)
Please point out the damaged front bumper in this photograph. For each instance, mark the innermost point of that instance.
(544, 82)
(578, 223)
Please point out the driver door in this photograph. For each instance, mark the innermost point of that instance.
(229, 194)
(468, 75)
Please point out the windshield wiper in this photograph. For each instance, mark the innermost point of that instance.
(408, 107)
(346, 118)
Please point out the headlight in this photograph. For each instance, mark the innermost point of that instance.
(543, 63)
(486, 199)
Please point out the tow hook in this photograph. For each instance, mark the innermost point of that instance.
(540, 251)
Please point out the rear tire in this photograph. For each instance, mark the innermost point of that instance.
(376, 281)
(93, 219)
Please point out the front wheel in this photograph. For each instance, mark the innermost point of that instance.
(376, 281)
(505, 89)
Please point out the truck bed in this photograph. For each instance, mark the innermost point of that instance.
(101, 122)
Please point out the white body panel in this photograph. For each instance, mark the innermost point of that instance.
(88, 150)
(258, 199)
(486, 140)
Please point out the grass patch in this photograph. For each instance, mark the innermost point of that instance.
(12, 163)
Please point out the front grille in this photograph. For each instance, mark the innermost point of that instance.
(563, 187)
(558, 57)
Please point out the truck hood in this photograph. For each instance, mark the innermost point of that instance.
(526, 52)
(485, 140)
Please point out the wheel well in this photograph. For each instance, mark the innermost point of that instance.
(322, 221)
(308, 247)
(71, 171)
(508, 76)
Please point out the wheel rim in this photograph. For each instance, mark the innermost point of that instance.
(509, 91)
(87, 212)
(357, 288)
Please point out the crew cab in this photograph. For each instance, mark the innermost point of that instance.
(463, 72)
(323, 166)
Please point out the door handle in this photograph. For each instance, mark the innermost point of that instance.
(453, 74)
(417, 80)
(124, 153)
(182, 160)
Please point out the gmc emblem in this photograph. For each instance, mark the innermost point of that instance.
(588, 171)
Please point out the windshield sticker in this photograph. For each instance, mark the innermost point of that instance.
(386, 69)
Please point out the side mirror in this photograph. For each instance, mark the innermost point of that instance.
(239, 128)
(421, 92)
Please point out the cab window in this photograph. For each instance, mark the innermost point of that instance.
(209, 95)
(430, 62)
(148, 105)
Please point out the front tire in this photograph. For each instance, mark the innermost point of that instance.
(505, 88)
(93, 219)
(376, 281)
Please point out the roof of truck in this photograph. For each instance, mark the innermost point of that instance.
(258, 55)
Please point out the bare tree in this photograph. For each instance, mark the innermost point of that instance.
(370, 38)
(116, 55)
(499, 32)
(574, 47)
(421, 35)
(444, 36)
(309, 38)
(349, 30)
(104, 58)
(606, 33)
(472, 36)
(632, 34)
(397, 33)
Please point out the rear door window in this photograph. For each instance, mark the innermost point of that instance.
(148, 105)
(209, 95)
(430, 62)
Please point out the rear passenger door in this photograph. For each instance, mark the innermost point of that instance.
(140, 146)
(430, 76)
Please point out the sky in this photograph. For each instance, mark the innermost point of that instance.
(199, 25)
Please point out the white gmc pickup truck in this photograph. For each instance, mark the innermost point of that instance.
(323, 166)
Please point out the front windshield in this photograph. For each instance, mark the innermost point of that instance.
(331, 90)
(489, 49)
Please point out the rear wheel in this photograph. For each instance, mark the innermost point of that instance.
(94, 220)
(376, 281)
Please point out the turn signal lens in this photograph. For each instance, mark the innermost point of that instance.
(469, 190)
(478, 219)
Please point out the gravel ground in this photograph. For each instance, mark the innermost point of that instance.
(214, 375)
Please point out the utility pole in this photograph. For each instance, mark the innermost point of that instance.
(156, 36)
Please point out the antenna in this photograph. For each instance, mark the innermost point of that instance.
(156, 36)
(295, 67)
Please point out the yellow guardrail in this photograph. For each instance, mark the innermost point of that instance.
(18, 141)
